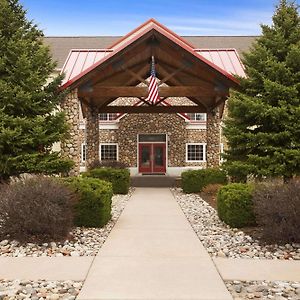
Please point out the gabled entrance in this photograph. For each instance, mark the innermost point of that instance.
(123, 71)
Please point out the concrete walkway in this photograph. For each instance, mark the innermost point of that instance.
(46, 268)
(153, 253)
(258, 269)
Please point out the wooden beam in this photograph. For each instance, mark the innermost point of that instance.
(134, 91)
(199, 101)
(136, 75)
(171, 75)
(152, 109)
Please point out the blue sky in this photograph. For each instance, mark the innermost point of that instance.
(185, 17)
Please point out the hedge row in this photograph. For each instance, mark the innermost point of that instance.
(193, 181)
(120, 178)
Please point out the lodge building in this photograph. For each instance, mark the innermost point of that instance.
(110, 119)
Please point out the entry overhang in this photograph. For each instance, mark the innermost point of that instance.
(127, 64)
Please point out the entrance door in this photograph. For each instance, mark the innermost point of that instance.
(152, 158)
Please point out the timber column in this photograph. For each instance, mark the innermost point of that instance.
(213, 138)
(92, 135)
(71, 146)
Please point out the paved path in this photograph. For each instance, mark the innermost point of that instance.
(153, 253)
(258, 269)
(47, 268)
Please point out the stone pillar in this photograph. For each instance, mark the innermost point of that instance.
(92, 135)
(213, 139)
(71, 146)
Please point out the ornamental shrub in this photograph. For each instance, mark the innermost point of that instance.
(93, 209)
(277, 210)
(193, 181)
(115, 164)
(235, 205)
(36, 209)
(120, 178)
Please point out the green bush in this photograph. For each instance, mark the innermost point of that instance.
(120, 178)
(193, 181)
(235, 205)
(93, 209)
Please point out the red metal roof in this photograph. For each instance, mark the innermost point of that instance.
(80, 60)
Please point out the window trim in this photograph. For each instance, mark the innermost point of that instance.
(106, 144)
(186, 152)
(197, 121)
(107, 120)
(83, 157)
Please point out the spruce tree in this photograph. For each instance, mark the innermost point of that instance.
(263, 124)
(28, 123)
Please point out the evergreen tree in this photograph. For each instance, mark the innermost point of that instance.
(28, 125)
(263, 124)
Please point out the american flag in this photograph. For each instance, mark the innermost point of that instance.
(153, 96)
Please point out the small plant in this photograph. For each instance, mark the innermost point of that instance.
(212, 189)
(120, 178)
(37, 209)
(235, 205)
(93, 209)
(277, 210)
(193, 181)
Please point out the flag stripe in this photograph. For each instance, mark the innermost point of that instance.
(153, 96)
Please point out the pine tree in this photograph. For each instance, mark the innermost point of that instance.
(28, 124)
(263, 124)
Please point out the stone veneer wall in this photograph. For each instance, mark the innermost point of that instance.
(71, 147)
(92, 135)
(213, 139)
(132, 125)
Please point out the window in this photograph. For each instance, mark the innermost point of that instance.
(196, 117)
(195, 152)
(83, 152)
(106, 117)
(109, 151)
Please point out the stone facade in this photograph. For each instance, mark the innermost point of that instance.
(92, 135)
(213, 138)
(71, 146)
(125, 133)
(171, 124)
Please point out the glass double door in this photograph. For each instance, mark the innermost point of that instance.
(152, 158)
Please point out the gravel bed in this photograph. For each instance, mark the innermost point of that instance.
(277, 290)
(38, 290)
(222, 241)
(84, 242)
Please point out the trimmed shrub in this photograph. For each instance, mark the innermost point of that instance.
(93, 209)
(120, 178)
(108, 164)
(235, 205)
(193, 181)
(277, 210)
(37, 209)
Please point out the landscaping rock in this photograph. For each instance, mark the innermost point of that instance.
(222, 241)
(16, 290)
(264, 290)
